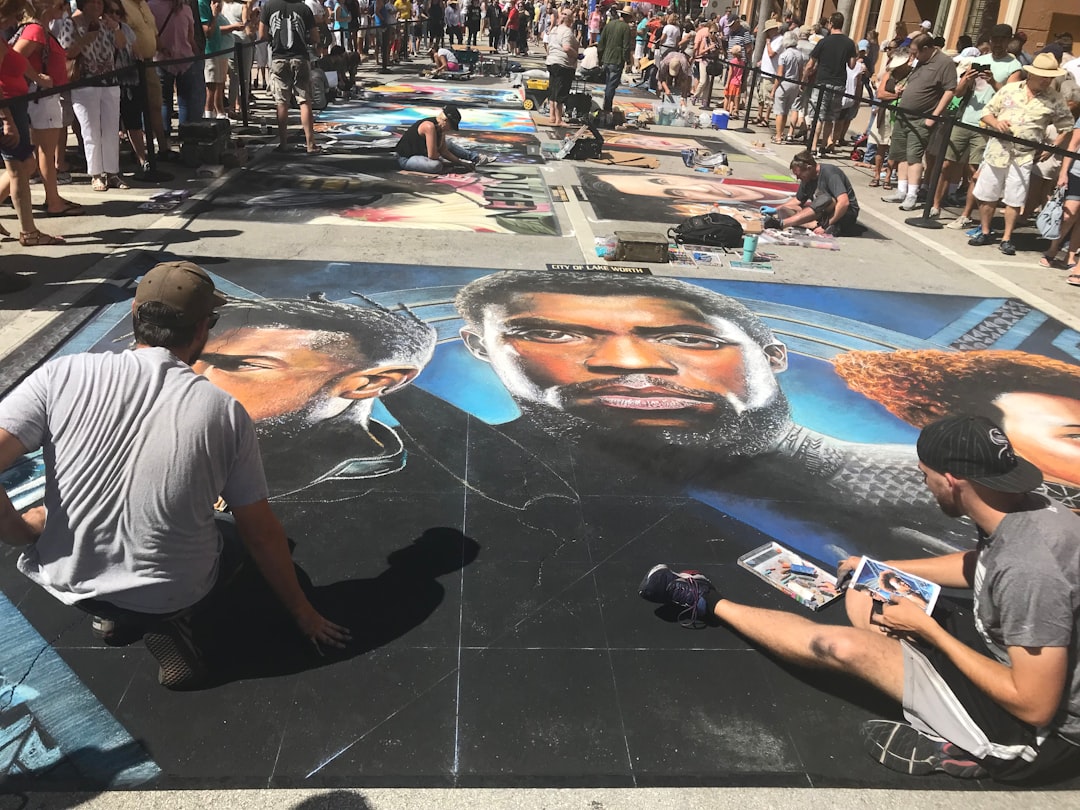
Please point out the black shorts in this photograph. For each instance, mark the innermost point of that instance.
(1055, 757)
(559, 80)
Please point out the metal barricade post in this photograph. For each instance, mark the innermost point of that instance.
(925, 220)
(754, 78)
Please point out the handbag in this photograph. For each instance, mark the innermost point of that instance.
(1049, 220)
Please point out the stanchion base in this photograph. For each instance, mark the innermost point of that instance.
(929, 223)
(156, 176)
(745, 129)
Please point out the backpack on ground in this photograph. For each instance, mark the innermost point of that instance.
(712, 230)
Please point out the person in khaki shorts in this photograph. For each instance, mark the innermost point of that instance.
(291, 28)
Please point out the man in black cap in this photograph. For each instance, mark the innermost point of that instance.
(425, 148)
(994, 693)
(137, 449)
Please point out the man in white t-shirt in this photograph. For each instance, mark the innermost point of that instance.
(137, 449)
(773, 46)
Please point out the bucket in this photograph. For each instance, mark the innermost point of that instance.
(720, 120)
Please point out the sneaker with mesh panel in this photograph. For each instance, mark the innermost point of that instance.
(484, 160)
(685, 589)
(910, 203)
(981, 239)
(903, 748)
(180, 663)
(898, 197)
(961, 223)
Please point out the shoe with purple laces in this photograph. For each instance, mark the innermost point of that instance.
(903, 748)
(685, 589)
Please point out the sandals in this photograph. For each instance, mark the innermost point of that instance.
(70, 209)
(1073, 278)
(4, 232)
(116, 181)
(778, 140)
(39, 239)
(887, 185)
(1051, 263)
(875, 182)
(100, 183)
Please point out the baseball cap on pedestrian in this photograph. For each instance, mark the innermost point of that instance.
(184, 287)
(1001, 30)
(864, 44)
(453, 115)
(975, 449)
(926, 25)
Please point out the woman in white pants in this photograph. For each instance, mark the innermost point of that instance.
(92, 39)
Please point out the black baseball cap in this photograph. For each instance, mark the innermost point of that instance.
(453, 115)
(975, 449)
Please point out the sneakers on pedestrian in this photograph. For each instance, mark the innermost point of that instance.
(981, 239)
(900, 747)
(961, 223)
(180, 664)
(910, 203)
(685, 589)
(935, 213)
(484, 160)
(1008, 248)
(898, 197)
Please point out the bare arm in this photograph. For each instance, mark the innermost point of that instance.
(15, 530)
(431, 139)
(264, 537)
(1030, 689)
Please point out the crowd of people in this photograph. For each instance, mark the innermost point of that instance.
(813, 80)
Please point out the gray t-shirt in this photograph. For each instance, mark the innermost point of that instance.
(928, 82)
(833, 181)
(137, 448)
(1027, 593)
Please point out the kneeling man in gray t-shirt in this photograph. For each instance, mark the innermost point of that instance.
(137, 449)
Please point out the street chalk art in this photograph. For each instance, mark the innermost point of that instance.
(444, 94)
(671, 198)
(357, 190)
(391, 114)
(785, 412)
(52, 728)
(504, 147)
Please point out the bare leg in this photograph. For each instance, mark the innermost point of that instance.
(860, 652)
(20, 172)
(986, 214)
(308, 122)
(1011, 215)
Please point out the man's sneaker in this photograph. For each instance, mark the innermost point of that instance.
(910, 203)
(960, 223)
(115, 634)
(898, 197)
(180, 664)
(1008, 248)
(981, 239)
(484, 160)
(900, 747)
(688, 157)
(685, 589)
(935, 213)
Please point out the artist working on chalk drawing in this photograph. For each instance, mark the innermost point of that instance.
(825, 200)
(137, 449)
(425, 147)
(996, 693)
